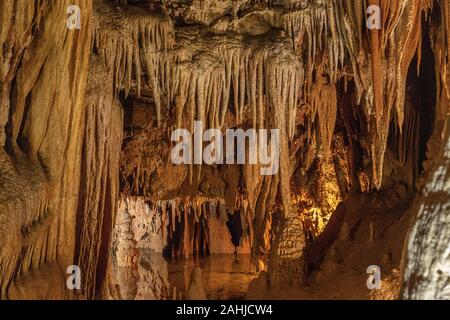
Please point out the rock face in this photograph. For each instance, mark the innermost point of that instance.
(87, 114)
(43, 77)
(97, 204)
(427, 264)
(145, 223)
(124, 244)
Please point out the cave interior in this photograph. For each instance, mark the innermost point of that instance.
(87, 116)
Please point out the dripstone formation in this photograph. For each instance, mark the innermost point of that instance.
(87, 114)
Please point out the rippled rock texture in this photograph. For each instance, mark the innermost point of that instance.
(86, 116)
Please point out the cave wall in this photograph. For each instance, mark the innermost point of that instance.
(44, 69)
(308, 87)
(309, 68)
(99, 185)
(426, 261)
(426, 252)
(61, 134)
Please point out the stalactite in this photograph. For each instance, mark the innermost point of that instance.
(191, 226)
(230, 66)
(324, 107)
(441, 47)
(203, 83)
(131, 41)
(405, 23)
(314, 32)
(381, 76)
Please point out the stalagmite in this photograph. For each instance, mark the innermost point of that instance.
(98, 192)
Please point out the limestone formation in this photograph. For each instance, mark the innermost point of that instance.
(87, 112)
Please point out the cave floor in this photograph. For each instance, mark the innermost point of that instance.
(342, 286)
(224, 276)
(375, 237)
(376, 240)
